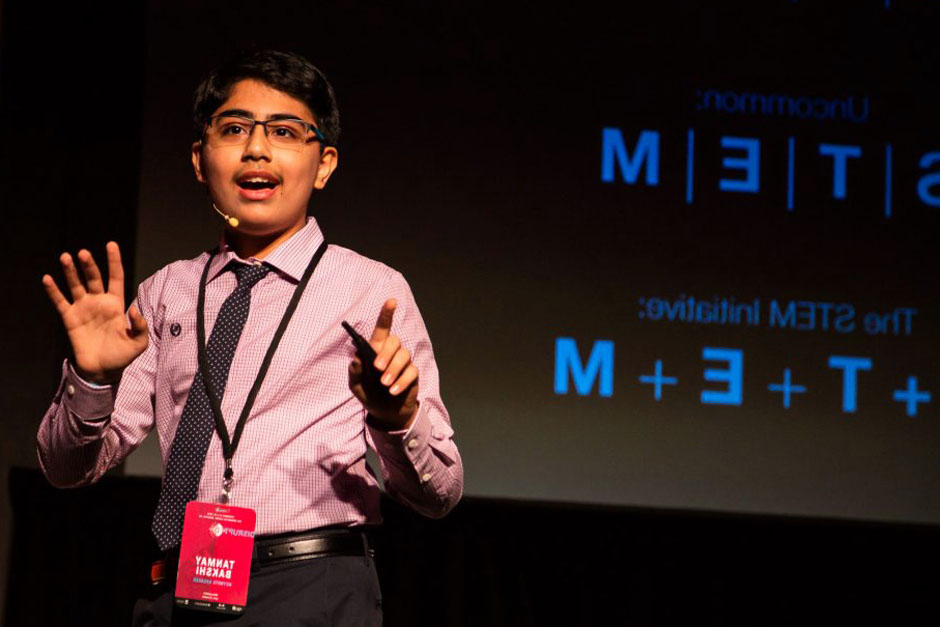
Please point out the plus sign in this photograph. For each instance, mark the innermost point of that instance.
(912, 396)
(657, 379)
(787, 388)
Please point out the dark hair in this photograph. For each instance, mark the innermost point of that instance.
(285, 71)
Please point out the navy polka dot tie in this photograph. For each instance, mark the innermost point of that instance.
(196, 426)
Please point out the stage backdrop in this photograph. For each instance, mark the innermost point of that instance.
(669, 256)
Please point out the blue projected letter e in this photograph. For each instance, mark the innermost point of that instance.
(749, 163)
(733, 376)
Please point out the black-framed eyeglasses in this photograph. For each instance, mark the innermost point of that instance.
(233, 130)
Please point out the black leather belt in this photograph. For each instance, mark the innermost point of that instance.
(283, 548)
(295, 547)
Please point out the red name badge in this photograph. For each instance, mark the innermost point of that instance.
(215, 557)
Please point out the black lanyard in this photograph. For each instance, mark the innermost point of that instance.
(229, 446)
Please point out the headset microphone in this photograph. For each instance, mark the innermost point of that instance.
(232, 221)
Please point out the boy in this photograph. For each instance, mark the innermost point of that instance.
(285, 375)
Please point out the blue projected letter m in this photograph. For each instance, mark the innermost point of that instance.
(613, 150)
(601, 362)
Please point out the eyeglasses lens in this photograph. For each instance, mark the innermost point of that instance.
(233, 130)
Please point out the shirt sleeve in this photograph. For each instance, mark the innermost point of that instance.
(88, 429)
(421, 466)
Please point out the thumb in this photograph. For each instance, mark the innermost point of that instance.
(138, 323)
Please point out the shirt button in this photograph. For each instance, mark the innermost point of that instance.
(71, 390)
(425, 477)
(413, 442)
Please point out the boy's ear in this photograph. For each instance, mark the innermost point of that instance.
(197, 161)
(329, 159)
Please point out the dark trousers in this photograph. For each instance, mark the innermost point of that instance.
(326, 591)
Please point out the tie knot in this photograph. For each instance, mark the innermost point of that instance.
(248, 275)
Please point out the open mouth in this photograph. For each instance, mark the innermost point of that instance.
(257, 182)
(257, 185)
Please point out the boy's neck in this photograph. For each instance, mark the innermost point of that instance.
(259, 247)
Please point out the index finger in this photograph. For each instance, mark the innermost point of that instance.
(384, 324)
(58, 300)
(115, 270)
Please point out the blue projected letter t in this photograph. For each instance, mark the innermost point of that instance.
(850, 367)
(840, 155)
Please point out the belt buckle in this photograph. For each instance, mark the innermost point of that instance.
(158, 572)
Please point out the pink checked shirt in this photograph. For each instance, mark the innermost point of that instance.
(301, 462)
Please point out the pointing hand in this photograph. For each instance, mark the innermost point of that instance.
(396, 401)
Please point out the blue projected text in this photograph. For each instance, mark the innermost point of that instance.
(625, 158)
(723, 377)
(795, 315)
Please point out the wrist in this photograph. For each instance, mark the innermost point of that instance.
(382, 424)
(105, 378)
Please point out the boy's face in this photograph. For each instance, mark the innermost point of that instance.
(294, 172)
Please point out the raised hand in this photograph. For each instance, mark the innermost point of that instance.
(101, 340)
(396, 404)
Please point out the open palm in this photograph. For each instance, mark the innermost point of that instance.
(101, 340)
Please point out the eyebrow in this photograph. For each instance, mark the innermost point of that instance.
(248, 114)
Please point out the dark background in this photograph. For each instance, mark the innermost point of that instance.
(470, 161)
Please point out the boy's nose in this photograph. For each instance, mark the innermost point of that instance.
(257, 146)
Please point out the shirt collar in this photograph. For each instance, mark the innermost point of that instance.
(290, 258)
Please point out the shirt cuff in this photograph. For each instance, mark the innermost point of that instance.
(88, 401)
(404, 445)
